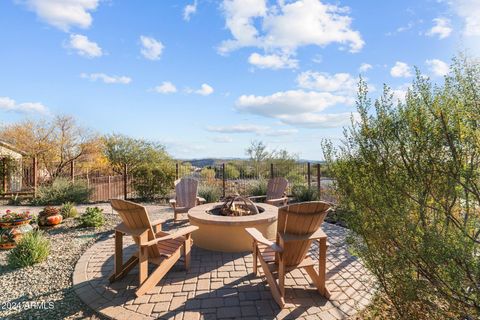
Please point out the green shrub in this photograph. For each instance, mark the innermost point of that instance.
(151, 182)
(32, 248)
(14, 200)
(257, 188)
(303, 193)
(408, 172)
(210, 193)
(93, 217)
(68, 210)
(62, 190)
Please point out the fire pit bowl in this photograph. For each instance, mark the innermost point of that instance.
(226, 233)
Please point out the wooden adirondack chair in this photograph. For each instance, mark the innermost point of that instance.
(185, 196)
(276, 192)
(154, 246)
(298, 225)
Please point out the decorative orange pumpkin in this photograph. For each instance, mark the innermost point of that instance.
(54, 220)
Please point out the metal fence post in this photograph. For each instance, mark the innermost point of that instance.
(109, 187)
(223, 179)
(34, 173)
(176, 171)
(72, 170)
(309, 174)
(125, 181)
(271, 171)
(4, 172)
(319, 176)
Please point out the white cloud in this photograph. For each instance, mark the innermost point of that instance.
(204, 90)
(189, 10)
(165, 87)
(8, 104)
(63, 14)
(469, 11)
(438, 67)
(364, 67)
(441, 28)
(106, 78)
(289, 102)
(238, 128)
(400, 92)
(401, 69)
(151, 49)
(272, 61)
(222, 139)
(280, 132)
(322, 81)
(314, 120)
(286, 26)
(84, 46)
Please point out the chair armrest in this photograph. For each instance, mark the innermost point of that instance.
(133, 232)
(281, 200)
(177, 234)
(201, 200)
(157, 225)
(258, 237)
(288, 237)
(172, 202)
(253, 198)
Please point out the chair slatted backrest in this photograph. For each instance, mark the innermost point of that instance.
(135, 216)
(300, 219)
(186, 192)
(276, 188)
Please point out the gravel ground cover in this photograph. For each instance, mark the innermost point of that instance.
(44, 291)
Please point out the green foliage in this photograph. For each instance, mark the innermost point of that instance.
(32, 248)
(257, 188)
(153, 180)
(207, 174)
(210, 193)
(122, 150)
(408, 172)
(14, 200)
(231, 171)
(294, 178)
(68, 210)
(93, 217)
(303, 193)
(62, 190)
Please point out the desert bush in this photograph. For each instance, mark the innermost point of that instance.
(62, 190)
(303, 193)
(152, 181)
(207, 174)
(257, 188)
(408, 172)
(210, 193)
(32, 248)
(68, 210)
(93, 217)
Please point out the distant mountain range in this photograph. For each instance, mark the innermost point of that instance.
(200, 163)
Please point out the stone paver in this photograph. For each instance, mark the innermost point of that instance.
(221, 286)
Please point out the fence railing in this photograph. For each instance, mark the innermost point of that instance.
(235, 177)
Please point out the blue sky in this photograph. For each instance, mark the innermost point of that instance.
(207, 77)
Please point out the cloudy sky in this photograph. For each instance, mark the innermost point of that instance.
(206, 77)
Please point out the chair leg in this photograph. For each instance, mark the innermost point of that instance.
(187, 250)
(158, 274)
(321, 288)
(125, 269)
(272, 283)
(281, 276)
(255, 254)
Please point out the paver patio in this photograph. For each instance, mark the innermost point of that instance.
(221, 285)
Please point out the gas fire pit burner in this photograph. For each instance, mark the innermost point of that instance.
(236, 206)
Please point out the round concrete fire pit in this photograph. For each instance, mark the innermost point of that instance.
(227, 233)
